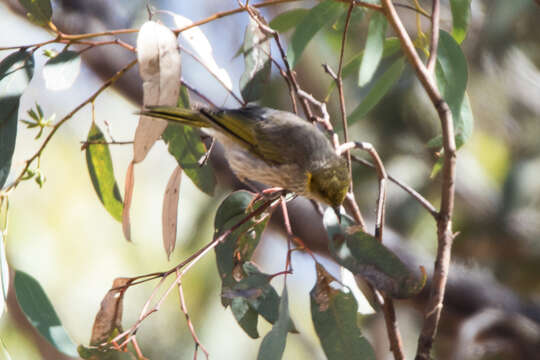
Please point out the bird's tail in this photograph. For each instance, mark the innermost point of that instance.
(180, 115)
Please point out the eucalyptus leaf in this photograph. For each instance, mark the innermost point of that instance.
(257, 62)
(61, 71)
(273, 344)
(16, 71)
(40, 313)
(461, 16)
(320, 15)
(364, 255)
(39, 11)
(288, 19)
(334, 311)
(374, 48)
(100, 167)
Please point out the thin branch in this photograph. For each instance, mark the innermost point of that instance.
(434, 42)
(197, 92)
(415, 194)
(445, 236)
(55, 128)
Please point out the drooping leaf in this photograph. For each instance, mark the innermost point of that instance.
(362, 254)
(108, 320)
(451, 75)
(170, 211)
(273, 344)
(100, 167)
(4, 273)
(185, 144)
(39, 311)
(381, 86)
(288, 19)
(61, 71)
(461, 16)
(4, 351)
(245, 315)
(128, 195)
(159, 67)
(334, 312)
(16, 71)
(257, 62)
(374, 48)
(317, 17)
(39, 11)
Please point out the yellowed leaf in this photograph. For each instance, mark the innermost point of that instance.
(128, 194)
(170, 211)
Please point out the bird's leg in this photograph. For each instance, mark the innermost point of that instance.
(204, 159)
(267, 194)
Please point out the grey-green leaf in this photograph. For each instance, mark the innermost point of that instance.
(100, 167)
(381, 86)
(461, 16)
(373, 51)
(246, 316)
(334, 313)
(16, 71)
(451, 75)
(61, 71)
(317, 17)
(362, 254)
(39, 311)
(288, 19)
(39, 11)
(257, 63)
(273, 344)
(185, 144)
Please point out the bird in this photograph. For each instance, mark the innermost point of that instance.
(273, 147)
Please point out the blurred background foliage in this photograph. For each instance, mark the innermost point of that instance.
(63, 236)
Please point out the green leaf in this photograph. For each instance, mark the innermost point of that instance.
(451, 75)
(461, 16)
(373, 51)
(184, 143)
(16, 71)
(61, 71)
(362, 254)
(100, 167)
(4, 355)
(273, 344)
(334, 312)
(40, 312)
(320, 15)
(239, 246)
(39, 11)
(256, 75)
(381, 86)
(288, 19)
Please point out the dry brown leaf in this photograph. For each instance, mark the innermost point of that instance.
(159, 67)
(170, 211)
(109, 316)
(128, 194)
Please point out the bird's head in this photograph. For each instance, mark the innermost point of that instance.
(330, 182)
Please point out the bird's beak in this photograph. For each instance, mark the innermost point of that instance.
(337, 210)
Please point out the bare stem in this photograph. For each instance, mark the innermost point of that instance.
(434, 42)
(444, 224)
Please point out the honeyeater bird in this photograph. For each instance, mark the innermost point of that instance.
(276, 148)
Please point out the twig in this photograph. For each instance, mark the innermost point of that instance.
(434, 42)
(444, 224)
(188, 319)
(197, 92)
(55, 128)
(423, 201)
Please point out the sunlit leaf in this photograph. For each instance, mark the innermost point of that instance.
(461, 16)
(16, 71)
(320, 15)
(39, 311)
(257, 62)
(100, 167)
(4, 354)
(39, 11)
(61, 71)
(362, 254)
(334, 312)
(159, 67)
(170, 211)
(373, 50)
(288, 19)
(4, 272)
(184, 143)
(381, 86)
(273, 344)
(128, 195)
